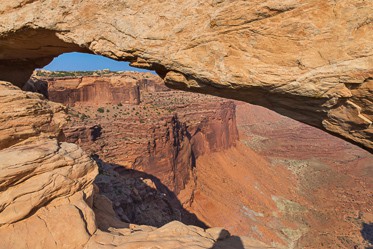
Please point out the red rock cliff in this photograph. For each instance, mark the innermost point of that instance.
(155, 139)
(163, 136)
(267, 184)
(94, 90)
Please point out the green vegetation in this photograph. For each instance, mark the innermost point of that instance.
(83, 116)
(45, 73)
(101, 110)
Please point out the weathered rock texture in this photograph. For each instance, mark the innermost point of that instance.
(284, 183)
(310, 60)
(45, 183)
(162, 136)
(47, 195)
(187, 146)
(95, 90)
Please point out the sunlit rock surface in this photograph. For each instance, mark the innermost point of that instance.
(280, 181)
(45, 183)
(47, 194)
(310, 60)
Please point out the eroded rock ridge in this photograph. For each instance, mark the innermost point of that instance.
(47, 195)
(278, 183)
(310, 60)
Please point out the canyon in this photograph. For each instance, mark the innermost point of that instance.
(334, 178)
(310, 60)
(99, 172)
(178, 156)
(48, 199)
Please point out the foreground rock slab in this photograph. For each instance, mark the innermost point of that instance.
(45, 183)
(174, 235)
(310, 60)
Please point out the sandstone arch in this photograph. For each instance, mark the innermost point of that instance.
(310, 60)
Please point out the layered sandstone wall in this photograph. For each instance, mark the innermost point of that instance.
(92, 90)
(183, 146)
(109, 88)
(47, 193)
(310, 60)
(45, 183)
(276, 184)
(163, 136)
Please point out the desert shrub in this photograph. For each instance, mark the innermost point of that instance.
(83, 116)
(101, 110)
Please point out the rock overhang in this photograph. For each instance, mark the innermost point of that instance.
(309, 60)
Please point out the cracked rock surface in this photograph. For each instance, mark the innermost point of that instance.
(310, 60)
(45, 184)
(47, 191)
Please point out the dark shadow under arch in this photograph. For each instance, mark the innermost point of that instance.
(161, 201)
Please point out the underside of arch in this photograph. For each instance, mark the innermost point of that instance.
(309, 60)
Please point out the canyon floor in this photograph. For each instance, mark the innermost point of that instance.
(116, 160)
(207, 161)
(169, 156)
(333, 178)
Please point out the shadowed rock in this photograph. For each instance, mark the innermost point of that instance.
(46, 190)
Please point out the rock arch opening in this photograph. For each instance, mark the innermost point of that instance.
(27, 49)
(78, 78)
(134, 124)
(24, 51)
(314, 96)
(87, 62)
(176, 150)
(276, 54)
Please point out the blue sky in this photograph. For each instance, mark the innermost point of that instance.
(88, 62)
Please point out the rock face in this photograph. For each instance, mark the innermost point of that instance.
(310, 60)
(167, 162)
(45, 183)
(94, 90)
(47, 193)
(277, 184)
(279, 181)
(291, 197)
(163, 136)
(174, 235)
